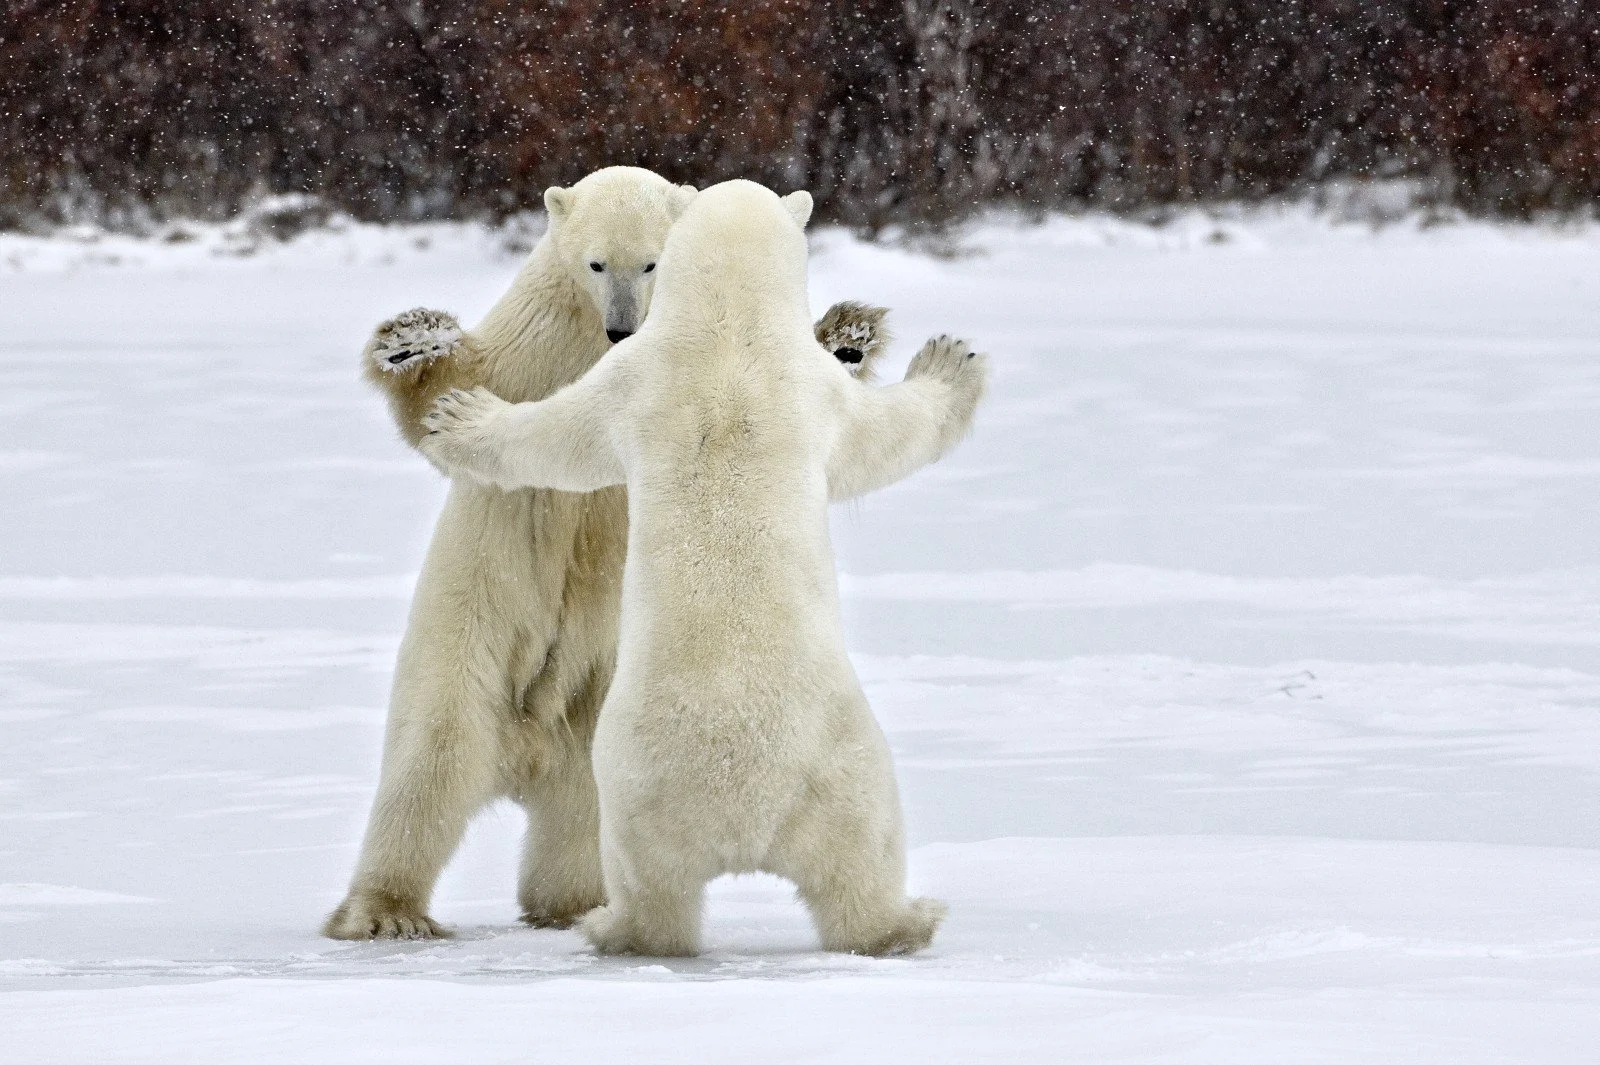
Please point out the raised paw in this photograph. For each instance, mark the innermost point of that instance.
(943, 357)
(965, 372)
(459, 412)
(379, 916)
(413, 339)
(856, 334)
(458, 428)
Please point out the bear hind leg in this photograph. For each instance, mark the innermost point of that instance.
(653, 908)
(659, 922)
(560, 880)
(441, 761)
(428, 791)
(859, 912)
(848, 865)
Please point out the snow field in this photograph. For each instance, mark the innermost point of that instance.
(1242, 670)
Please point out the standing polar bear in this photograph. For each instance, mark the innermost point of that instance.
(513, 629)
(735, 736)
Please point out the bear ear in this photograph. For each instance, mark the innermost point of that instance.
(558, 201)
(679, 199)
(799, 205)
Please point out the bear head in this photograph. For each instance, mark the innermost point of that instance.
(737, 241)
(608, 231)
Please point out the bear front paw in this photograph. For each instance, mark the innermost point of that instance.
(457, 426)
(459, 411)
(413, 339)
(947, 359)
(856, 334)
(963, 371)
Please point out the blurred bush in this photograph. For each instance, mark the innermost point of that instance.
(892, 112)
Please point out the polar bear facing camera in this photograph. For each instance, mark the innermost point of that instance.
(735, 736)
(512, 634)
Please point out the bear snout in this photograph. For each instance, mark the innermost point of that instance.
(615, 335)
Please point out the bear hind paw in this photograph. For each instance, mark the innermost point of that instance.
(381, 917)
(909, 932)
(611, 932)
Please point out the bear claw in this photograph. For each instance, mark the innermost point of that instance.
(381, 917)
(456, 424)
(943, 357)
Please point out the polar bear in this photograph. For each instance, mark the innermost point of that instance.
(735, 736)
(513, 628)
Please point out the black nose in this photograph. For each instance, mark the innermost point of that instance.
(615, 335)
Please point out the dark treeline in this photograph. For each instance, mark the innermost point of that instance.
(889, 111)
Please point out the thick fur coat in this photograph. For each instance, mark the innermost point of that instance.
(513, 630)
(735, 736)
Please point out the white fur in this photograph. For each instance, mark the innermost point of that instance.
(617, 275)
(735, 736)
(512, 635)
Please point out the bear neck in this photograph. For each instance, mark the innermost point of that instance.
(741, 312)
(736, 290)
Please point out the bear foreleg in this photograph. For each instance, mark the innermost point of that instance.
(416, 357)
(889, 433)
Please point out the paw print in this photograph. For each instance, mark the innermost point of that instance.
(413, 339)
(855, 333)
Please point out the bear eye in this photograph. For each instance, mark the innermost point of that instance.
(597, 267)
(649, 267)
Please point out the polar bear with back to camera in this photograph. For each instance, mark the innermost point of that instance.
(512, 635)
(735, 736)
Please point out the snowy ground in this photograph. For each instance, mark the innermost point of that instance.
(1243, 670)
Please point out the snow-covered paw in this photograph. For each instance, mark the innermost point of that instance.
(856, 334)
(364, 916)
(413, 339)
